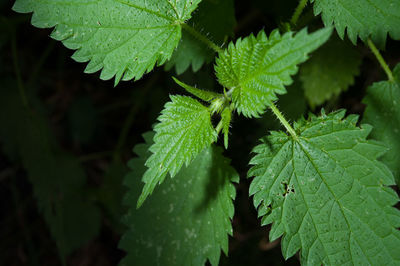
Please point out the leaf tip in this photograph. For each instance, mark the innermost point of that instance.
(141, 200)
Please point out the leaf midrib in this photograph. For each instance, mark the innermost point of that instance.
(302, 194)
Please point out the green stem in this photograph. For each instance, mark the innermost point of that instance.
(283, 121)
(202, 38)
(298, 11)
(381, 60)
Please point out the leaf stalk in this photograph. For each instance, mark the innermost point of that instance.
(210, 44)
(299, 9)
(283, 121)
(380, 59)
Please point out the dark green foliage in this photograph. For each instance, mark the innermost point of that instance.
(383, 114)
(187, 220)
(58, 179)
(330, 71)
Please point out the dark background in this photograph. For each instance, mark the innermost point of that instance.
(99, 124)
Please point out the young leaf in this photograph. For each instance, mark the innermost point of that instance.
(187, 220)
(207, 19)
(383, 112)
(184, 130)
(226, 117)
(373, 18)
(328, 73)
(327, 194)
(199, 93)
(125, 38)
(258, 68)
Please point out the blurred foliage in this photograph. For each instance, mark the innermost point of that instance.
(329, 71)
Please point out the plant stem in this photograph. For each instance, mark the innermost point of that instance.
(381, 60)
(283, 121)
(299, 9)
(202, 38)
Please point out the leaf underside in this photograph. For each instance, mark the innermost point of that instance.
(326, 193)
(124, 38)
(383, 113)
(328, 73)
(188, 219)
(184, 130)
(258, 68)
(360, 18)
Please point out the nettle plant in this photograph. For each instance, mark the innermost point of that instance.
(323, 182)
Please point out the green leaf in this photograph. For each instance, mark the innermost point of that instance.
(184, 130)
(208, 20)
(383, 113)
(372, 18)
(329, 71)
(201, 94)
(327, 194)
(124, 38)
(258, 68)
(226, 117)
(187, 220)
